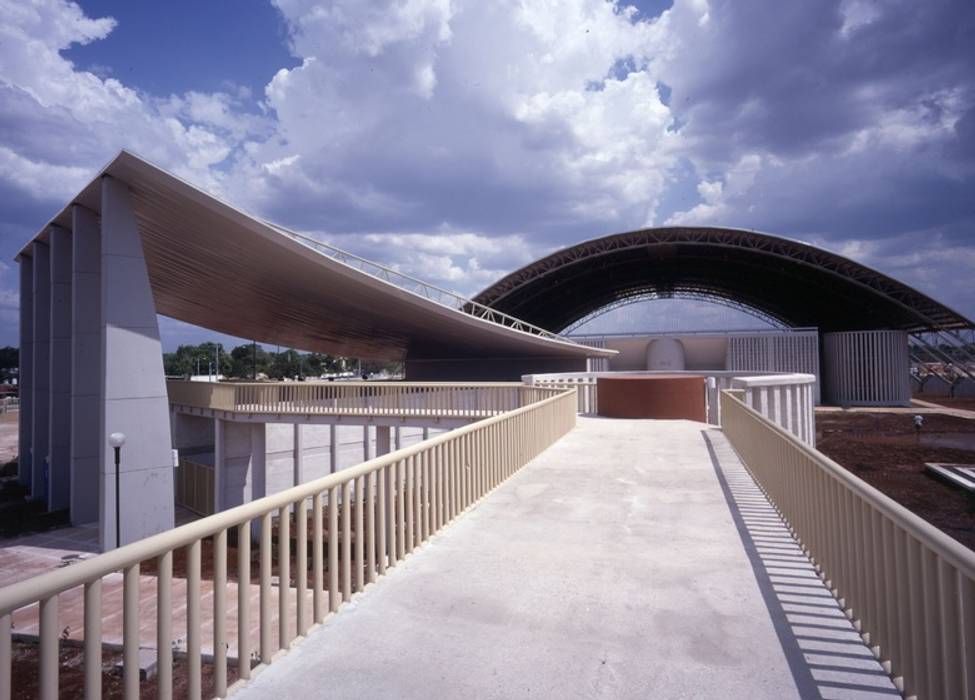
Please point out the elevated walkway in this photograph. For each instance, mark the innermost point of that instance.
(630, 559)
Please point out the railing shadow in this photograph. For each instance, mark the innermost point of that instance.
(826, 655)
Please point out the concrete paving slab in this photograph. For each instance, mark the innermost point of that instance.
(619, 564)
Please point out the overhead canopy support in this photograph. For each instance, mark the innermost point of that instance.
(795, 283)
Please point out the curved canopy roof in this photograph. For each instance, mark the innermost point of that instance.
(796, 283)
(214, 266)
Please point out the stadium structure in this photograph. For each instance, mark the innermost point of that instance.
(342, 480)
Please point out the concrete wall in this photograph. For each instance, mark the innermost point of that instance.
(700, 353)
(258, 459)
(867, 368)
(91, 366)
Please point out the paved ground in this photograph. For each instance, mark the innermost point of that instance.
(633, 559)
(8, 435)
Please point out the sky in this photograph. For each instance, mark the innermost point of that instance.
(459, 140)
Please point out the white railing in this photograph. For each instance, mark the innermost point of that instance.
(353, 525)
(587, 391)
(9, 403)
(419, 399)
(908, 587)
(788, 400)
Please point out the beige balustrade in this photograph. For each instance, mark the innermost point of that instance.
(909, 588)
(443, 399)
(387, 507)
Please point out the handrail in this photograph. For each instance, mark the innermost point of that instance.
(378, 512)
(26, 592)
(910, 586)
(420, 399)
(414, 285)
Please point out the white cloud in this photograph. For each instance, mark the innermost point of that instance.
(62, 123)
(461, 139)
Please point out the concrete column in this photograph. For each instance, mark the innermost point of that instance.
(382, 440)
(41, 366)
(398, 439)
(26, 377)
(258, 469)
(426, 433)
(86, 370)
(366, 444)
(59, 468)
(219, 466)
(135, 401)
(299, 477)
(333, 448)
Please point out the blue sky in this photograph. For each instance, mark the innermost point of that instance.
(459, 140)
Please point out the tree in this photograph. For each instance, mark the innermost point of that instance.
(9, 363)
(249, 360)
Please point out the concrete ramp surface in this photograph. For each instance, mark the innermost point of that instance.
(633, 559)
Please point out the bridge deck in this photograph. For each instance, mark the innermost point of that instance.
(632, 559)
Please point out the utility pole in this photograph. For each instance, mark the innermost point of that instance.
(255, 360)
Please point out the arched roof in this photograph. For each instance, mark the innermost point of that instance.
(799, 284)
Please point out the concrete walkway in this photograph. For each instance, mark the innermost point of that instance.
(633, 559)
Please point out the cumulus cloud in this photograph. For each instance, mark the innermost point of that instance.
(59, 123)
(460, 139)
(855, 113)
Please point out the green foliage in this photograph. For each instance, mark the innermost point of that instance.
(9, 362)
(252, 360)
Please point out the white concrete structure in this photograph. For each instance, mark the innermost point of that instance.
(665, 354)
(752, 352)
(136, 241)
(786, 399)
(867, 368)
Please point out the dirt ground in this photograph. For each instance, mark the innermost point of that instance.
(72, 674)
(883, 450)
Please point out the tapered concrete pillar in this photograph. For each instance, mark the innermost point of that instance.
(135, 401)
(26, 377)
(219, 465)
(41, 370)
(299, 473)
(333, 448)
(366, 444)
(59, 466)
(382, 440)
(86, 364)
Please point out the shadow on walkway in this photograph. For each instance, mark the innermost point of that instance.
(826, 655)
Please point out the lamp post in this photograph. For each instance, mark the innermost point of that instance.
(116, 440)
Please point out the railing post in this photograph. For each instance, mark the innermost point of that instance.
(284, 576)
(318, 575)
(130, 631)
(243, 600)
(164, 631)
(93, 639)
(48, 633)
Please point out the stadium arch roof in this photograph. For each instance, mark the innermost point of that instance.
(798, 284)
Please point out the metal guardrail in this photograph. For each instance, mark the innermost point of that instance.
(419, 287)
(416, 399)
(908, 587)
(193, 484)
(364, 520)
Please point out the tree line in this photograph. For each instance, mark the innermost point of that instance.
(254, 361)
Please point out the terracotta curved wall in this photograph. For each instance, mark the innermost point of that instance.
(657, 396)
